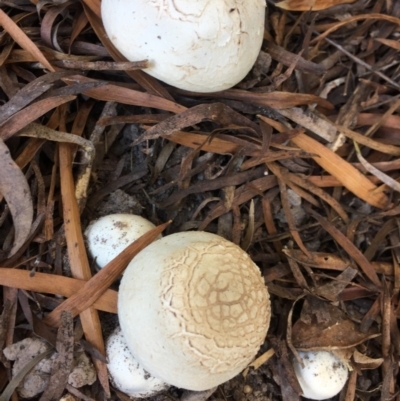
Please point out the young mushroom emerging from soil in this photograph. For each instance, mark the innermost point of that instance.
(126, 373)
(323, 375)
(193, 309)
(202, 45)
(110, 235)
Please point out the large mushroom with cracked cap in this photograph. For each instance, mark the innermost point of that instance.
(193, 309)
(202, 45)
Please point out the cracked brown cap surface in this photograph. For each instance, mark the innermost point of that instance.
(194, 309)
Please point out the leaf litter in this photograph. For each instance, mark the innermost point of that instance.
(298, 165)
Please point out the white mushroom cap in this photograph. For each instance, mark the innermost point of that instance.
(194, 309)
(202, 45)
(108, 236)
(323, 376)
(126, 373)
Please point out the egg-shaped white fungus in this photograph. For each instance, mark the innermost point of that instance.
(323, 376)
(109, 235)
(125, 372)
(202, 45)
(194, 309)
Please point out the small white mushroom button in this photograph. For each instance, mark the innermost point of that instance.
(193, 309)
(110, 235)
(202, 45)
(323, 376)
(125, 372)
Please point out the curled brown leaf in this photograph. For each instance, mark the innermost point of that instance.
(15, 189)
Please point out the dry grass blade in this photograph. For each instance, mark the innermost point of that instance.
(389, 181)
(394, 44)
(310, 5)
(370, 143)
(286, 58)
(78, 259)
(123, 95)
(217, 112)
(349, 176)
(29, 93)
(23, 40)
(214, 144)
(269, 222)
(96, 286)
(29, 114)
(277, 100)
(331, 201)
(349, 247)
(15, 189)
(385, 116)
(94, 5)
(216, 183)
(53, 284)
(35, 130)
(330, 261)
(353, 19)
(41, 131)
(242, 194)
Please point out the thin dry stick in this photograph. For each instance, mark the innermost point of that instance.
(102, 65)
(351, 387)
(78, 259)
(95, 287)
(386, 337)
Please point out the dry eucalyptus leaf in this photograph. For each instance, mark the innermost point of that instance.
(345, 356)
(15, 189)
(333, 288)
(323, 326)
(365, 362)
